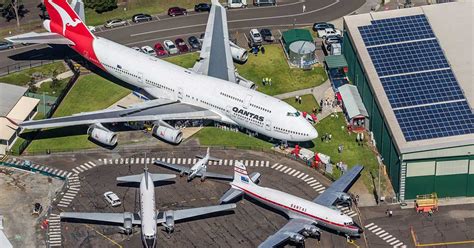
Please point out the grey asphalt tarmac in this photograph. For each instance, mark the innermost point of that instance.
(286, 14)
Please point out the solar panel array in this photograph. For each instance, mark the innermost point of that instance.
(435, 121)
(436, 86)
(416, 76)
(398, 29)
(407, 57)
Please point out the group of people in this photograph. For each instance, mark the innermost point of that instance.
(267, 81)
(257, 48)
(326, 137)
(298, 99)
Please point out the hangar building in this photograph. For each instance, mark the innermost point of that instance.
(414, 71)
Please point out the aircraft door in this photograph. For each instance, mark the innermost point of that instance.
(140, 77)
(268, 125)
(180, 94)
(248, 98)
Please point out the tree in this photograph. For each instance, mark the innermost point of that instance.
(101, 6)
(13, 9)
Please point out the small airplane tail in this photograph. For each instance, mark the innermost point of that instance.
(209, 157)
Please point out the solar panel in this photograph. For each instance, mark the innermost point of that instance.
(436, 121)
(397, 29)
(422, 88)
(407, 57)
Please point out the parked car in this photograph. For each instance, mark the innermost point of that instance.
(321, 26)
(194, 42)
(136, 49)
(175, 11)
(267, 35)
(332, 39)
(148, 50)
(170, 47)
(328, 32)
(202, 7)
(182, 47)
(159, 49)
(6, 45)
(112, 199)
(141, 18)
(255, 37)
(92, 28)
(264, 2)
(115, 23)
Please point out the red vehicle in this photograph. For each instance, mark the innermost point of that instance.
(174, 11)
(182, 47)
(159, 49)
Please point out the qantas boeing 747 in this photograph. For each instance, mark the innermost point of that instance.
(211, 90)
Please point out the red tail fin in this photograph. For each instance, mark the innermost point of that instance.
(66, 22)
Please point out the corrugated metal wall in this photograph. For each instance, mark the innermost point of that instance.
(447, 177)
(382, 136)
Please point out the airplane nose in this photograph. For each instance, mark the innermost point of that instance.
(313, 134)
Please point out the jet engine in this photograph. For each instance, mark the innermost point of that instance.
(169, 221)
(239, 54)
(102, 135)
(127, 223)
(311, 231)
(296, 237)
(169, 134)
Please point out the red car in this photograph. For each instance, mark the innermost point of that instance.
(159, 49)
(182, 47)
(174, 11)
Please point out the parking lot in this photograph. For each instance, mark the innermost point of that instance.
(249, 226)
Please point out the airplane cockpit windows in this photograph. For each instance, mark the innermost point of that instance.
(296, 114)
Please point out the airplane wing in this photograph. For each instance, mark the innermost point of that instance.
(208, 174)
(193, 212)
(116, 218)
(343, 184)
(294, 226)
(175, 167)
(138, 178)
(215, 56)
(40, 38)
(4, 242)
(153, 110)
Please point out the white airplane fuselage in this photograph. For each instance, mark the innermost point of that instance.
(199, 166)
(235, 104)
(148, 211)
(296, 207)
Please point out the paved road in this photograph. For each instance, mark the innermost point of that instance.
(241, 20)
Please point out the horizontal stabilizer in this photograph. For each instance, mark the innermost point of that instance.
(40, 38)
(183, 214)
(230, 195)
(139, 177)
(210, 158)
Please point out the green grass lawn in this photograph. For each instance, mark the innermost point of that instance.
(49, 90)
(23, 77)
(137, 6)
(213, 136)
(185, 60)
(90, 92)
(307, 103)
(352, 154)
(284, 79)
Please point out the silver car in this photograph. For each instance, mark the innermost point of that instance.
(170, 47)
(115, 23)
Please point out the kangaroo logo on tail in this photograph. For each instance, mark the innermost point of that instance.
(65, 17)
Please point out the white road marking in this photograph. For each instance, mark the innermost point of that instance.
(298, 174)
(83, 167)
(304, 177)
(251, 162)
(383, 235)
(291, 172)
(379, 232)
(311, 181)
(376, 230)
(373, 227)
(390, 240)
(283, 168)
(275, 165)
(395, 242)
(279, 166)
(88, 166)
(389, 236)
(231, 162)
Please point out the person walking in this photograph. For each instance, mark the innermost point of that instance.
(262, 50)
(304, 8)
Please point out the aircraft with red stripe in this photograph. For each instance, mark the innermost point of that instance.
(305, 217)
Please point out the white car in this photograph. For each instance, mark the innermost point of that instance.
(328, 32)
(112, 198)
(148, 50)
(255, 37)
(170, 47)
(115, 23)
(136, 49)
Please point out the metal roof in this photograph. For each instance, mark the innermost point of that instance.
(335, 61)
(352, 101)
(9, 95)
(458, 54)
(293, 35)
